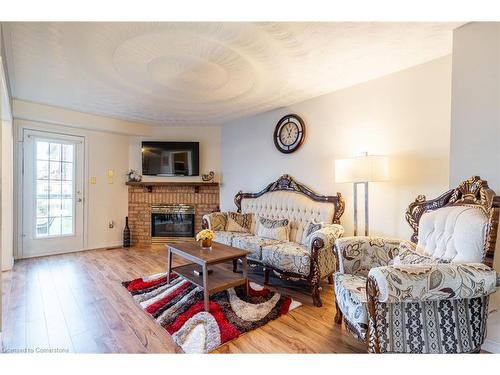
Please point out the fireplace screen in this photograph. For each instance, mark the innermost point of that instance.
(172, 220)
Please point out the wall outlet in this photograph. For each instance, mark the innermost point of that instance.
(93, 180)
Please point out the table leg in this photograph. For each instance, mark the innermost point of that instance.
(169, 264)
(245, 274)
(205, 287)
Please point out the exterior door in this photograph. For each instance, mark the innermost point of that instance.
(52, 198)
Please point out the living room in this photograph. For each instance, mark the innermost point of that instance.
(249, 187)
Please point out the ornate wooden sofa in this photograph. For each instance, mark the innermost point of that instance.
(430, 294)
(293, 259)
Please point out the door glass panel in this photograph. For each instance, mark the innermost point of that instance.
(55, 170)
(42, 170)
(55, 151)
(67, 189)
(67, 153)
(67, 207)
(42, 208)
(54, 207)
(41, 227)
(55, 187)
(67, 225)
(54, 226)
(42, 151)
(67, 171)
(42, 189)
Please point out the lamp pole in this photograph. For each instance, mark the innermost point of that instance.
(355, 198)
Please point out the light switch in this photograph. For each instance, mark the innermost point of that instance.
(111, 174)
(92, 180)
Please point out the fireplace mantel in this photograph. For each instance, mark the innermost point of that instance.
(172, 183)
(196, 184)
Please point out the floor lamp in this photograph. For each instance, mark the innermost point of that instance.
(361, 170)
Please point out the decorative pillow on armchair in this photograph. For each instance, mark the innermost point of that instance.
(274, 229)
(311, 227)
(218, 221)
(237, 222)
(410, 254)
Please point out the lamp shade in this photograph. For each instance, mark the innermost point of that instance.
(366, 168)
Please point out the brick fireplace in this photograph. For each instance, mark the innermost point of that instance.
(143, 195)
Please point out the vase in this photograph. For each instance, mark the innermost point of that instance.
(206, 243)
(126, 234)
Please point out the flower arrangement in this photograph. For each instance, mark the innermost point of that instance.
(205, 236)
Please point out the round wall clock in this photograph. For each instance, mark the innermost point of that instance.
(289, 133)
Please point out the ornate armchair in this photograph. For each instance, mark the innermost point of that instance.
(430, 294)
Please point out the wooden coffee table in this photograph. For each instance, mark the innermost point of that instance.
(218, 278)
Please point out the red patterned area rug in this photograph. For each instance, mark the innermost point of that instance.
(178, 307)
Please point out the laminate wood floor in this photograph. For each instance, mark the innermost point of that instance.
(76, 302)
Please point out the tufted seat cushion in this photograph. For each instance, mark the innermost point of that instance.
(350, 293)
(455, 234)
(287, 256)
(297, 208)
(253, 244)
(226, 238)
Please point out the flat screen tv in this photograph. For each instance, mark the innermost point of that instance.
(170, 158)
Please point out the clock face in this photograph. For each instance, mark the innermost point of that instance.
(289, 133)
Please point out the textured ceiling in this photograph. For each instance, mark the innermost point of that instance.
(206, 73)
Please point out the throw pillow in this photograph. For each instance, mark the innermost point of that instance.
(274, 229)
(237, 222)
(218, 221)
(408, 256)
(311, 227)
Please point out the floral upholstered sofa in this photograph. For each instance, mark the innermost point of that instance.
(288, 229)
(430, 294)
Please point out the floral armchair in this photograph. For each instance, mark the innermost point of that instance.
(430, 294)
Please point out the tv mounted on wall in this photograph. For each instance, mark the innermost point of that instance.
(170, 158)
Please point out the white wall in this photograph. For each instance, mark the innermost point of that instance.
(475, 141)
(6, 174)
(475, 124)
(405, 115)
(6, 185)
(210, 148)
(25, 110)
(7, 233)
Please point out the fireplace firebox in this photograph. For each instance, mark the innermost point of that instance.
(172, 220)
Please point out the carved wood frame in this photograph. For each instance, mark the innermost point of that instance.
(287, 183)
(471, 192)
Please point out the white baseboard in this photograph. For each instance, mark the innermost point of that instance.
(94, 247)
(491, 346)
(106, 246)
(8, 267)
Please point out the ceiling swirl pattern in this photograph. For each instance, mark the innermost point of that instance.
(206, 73)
